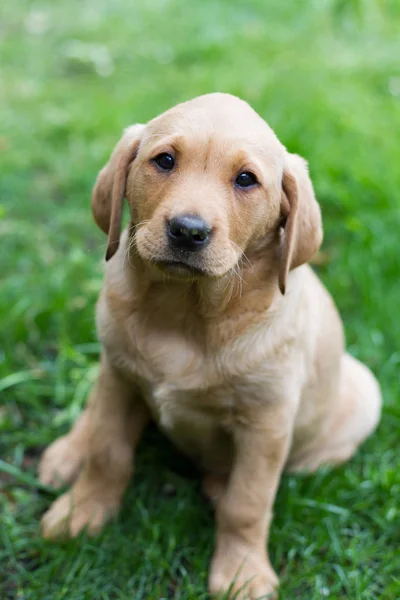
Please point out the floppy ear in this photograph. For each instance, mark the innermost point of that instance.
(302, 233)
(109, 190)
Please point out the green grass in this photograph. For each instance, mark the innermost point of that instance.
(325, 74)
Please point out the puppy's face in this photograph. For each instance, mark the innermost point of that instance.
(203, 181)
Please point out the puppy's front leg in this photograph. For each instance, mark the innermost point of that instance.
(244, 510)
(115, 421)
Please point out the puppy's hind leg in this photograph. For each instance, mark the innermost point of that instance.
(355, 417)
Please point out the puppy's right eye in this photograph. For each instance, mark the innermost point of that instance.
(165, 161)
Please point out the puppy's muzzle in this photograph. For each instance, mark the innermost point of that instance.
(188, 232)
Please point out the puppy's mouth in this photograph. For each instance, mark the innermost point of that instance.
(179, 268)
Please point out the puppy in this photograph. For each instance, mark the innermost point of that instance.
(212, 324)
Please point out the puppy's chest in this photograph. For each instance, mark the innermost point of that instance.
(188, 390)
(163, 352)
(196, 383)
(179, 375)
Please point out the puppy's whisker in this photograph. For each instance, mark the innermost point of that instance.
(236, 282)
(251, 266)
(230, 284)
(238, 279)
(131, 249)
(136, 226)
(243, 255)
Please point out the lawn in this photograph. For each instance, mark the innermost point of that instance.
(326, 75)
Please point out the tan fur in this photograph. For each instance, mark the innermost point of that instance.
(242, 378)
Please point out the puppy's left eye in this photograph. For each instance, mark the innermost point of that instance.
(165, 161)
(246, 179)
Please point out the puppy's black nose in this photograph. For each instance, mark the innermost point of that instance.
(188, 232)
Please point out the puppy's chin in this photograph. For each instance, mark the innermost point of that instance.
(173, 269)
(177, 269)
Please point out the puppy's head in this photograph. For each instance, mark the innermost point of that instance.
(204, 181)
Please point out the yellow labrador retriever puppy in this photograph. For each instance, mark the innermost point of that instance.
(212, 325)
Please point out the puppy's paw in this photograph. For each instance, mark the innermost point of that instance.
(249, 577)
(67, 519)
(60, 463)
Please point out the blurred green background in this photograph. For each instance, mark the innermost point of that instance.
(325, 74)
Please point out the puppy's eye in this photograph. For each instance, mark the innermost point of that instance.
(165, 161)
(246, 179)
